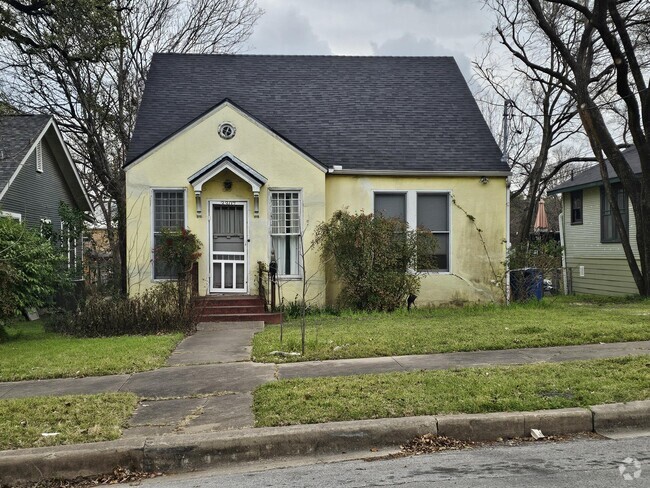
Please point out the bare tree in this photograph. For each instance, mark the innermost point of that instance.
(95, 97)
(547, 136)
(598, 40)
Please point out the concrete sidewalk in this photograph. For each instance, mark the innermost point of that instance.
(197, 411)
(208, 383)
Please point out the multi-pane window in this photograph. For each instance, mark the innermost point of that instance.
(168, 213)
(285, 231)
(608, 229)
(576, 207)
(433, 216)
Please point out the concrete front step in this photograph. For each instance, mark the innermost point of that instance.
(267, 318)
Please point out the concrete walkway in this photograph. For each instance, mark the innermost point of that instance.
(208, 383)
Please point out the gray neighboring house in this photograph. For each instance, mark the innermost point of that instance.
(593, 247)
(37, 173)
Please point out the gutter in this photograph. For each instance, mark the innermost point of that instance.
(336, 169)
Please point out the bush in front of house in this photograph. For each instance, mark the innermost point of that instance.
(154, 311)
(374, 258)
(30, 270)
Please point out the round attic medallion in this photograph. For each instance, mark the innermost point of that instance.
(227, 130)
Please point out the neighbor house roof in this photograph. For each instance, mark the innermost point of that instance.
(591, 177)
(363, 113)
(17, 135)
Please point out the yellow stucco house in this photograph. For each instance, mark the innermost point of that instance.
(251, 152)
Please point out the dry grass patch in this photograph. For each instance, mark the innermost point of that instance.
(71, 419)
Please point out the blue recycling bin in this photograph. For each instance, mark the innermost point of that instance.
(526, 283)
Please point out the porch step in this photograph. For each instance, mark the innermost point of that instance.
(229, 301)
(234, 309)
(266, 317)
(231, 309)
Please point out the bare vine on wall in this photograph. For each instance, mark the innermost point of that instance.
(498, 278)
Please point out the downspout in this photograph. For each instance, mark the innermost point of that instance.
(565, 277)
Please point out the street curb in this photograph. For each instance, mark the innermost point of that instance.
(189, 452)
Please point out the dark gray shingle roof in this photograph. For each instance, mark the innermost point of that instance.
(591, 177)
(364, 113)
(17, 134)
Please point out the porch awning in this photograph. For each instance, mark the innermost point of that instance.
(227, 161)
(234, 164)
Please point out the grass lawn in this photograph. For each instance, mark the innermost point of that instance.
(551, 322)
(75, 419)
(33, 353)
(473, 390)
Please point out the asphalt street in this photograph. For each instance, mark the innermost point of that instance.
(592, 463)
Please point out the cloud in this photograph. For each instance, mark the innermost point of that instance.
(410, 45)
(284, 30)
(421, 4)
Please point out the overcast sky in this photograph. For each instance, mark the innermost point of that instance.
(372, 27)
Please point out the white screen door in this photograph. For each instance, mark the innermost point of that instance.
(228, 265)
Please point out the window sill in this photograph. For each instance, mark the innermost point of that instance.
(289, 278)
(576, 223)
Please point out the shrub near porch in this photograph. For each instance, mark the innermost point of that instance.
(552, 322)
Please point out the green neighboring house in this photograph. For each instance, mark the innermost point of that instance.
(592, 245)
(37, 174)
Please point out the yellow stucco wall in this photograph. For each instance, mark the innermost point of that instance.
(471, 276)
(170, 165)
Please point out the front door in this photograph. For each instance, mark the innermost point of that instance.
(228, 264)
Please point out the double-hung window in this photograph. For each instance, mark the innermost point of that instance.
(433, 216)
(576, 207)
(391, 205)
(285, 231)
(608, 228)
(168, 213)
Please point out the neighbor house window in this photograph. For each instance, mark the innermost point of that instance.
(576, 207)
(433, 216)
(285, 231)
(168, 213)
(39, 157)
(70, 244)
(11, 215)
(608, 229)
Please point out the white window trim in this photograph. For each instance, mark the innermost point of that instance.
(412, 217)
(152, 209)
(299, 276)
(12, 215)
(39, 156)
